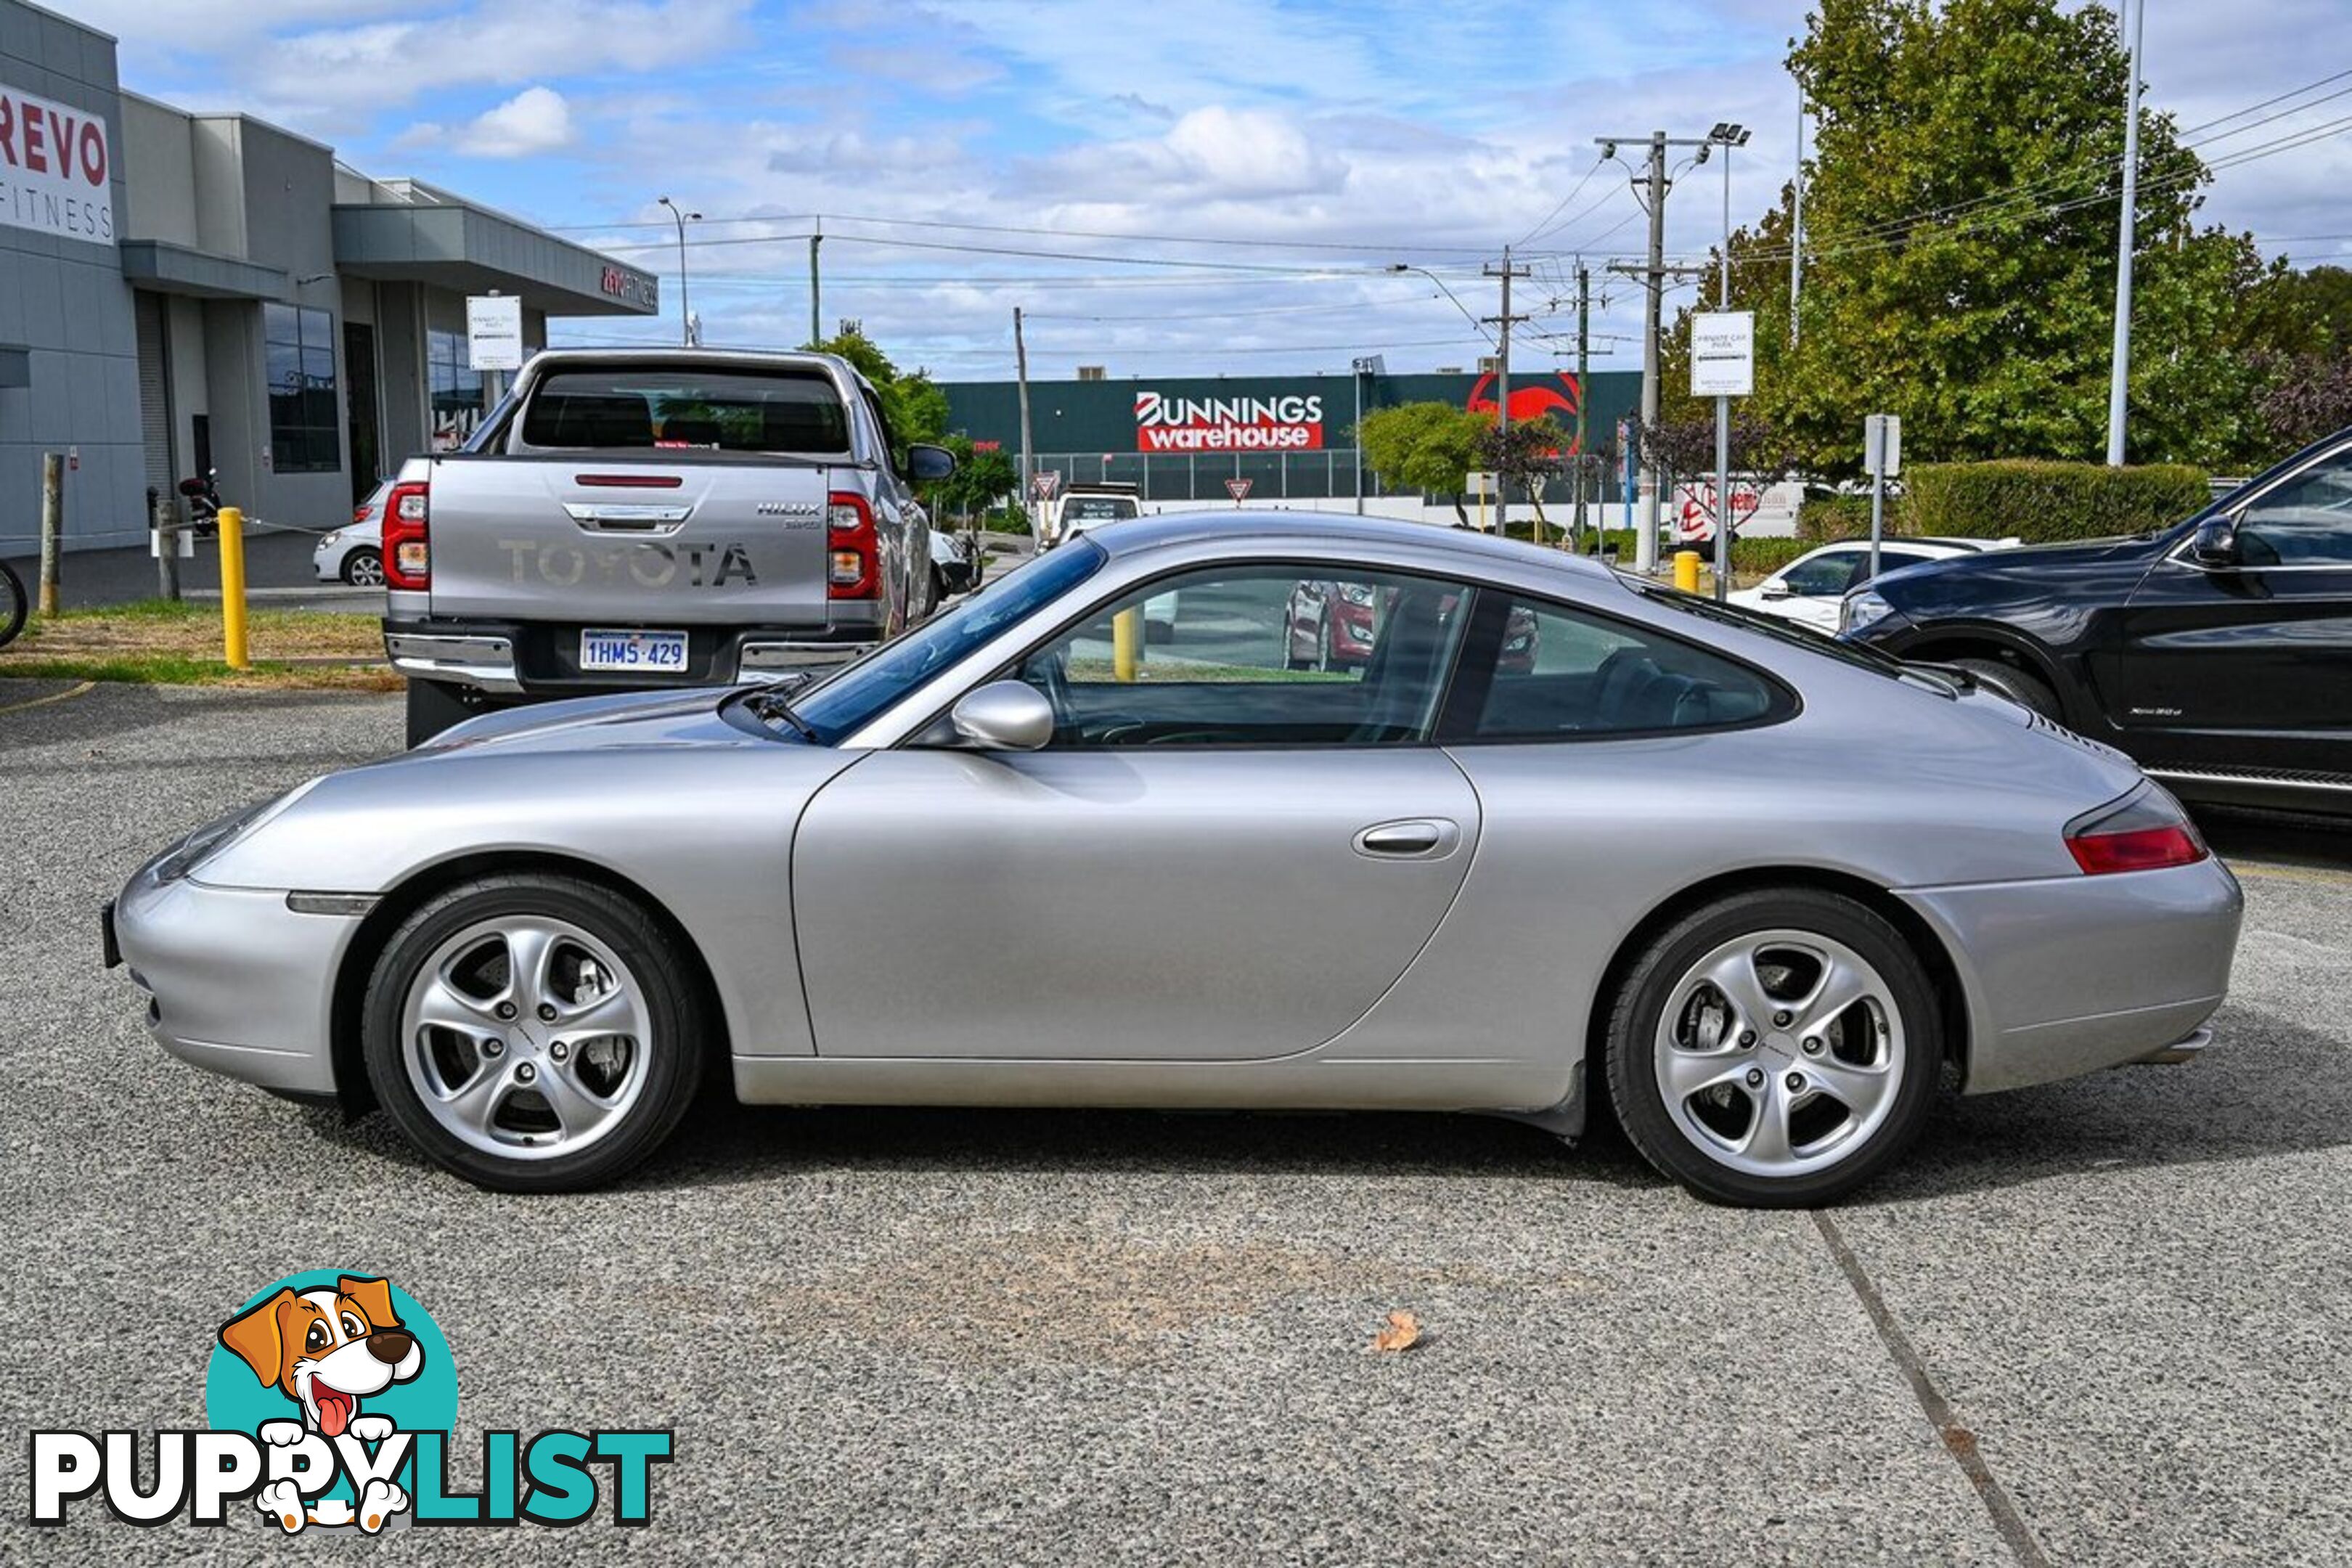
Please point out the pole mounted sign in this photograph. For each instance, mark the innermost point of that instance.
(56, 169)
(494, 330)
(1044, 482)
(1723, 353)
(1881, 460)
(1239, 490)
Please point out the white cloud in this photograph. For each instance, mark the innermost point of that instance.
(535, 121)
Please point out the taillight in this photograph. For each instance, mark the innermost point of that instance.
(852, 551)
(2146, 831)
(408, 548)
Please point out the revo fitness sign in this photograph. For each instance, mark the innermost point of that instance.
(1165, 424)
(55, 169)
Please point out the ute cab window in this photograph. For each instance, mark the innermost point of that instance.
(588, 409)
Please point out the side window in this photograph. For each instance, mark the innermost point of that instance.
(1255, 656)
(1888, 561)
(1562, 674)
(889, 436)
(1824, 576)
(2308, 521)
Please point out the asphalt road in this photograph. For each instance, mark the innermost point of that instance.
(916, 1337)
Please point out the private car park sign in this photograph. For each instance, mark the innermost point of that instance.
(56, 169)
(1723, 353)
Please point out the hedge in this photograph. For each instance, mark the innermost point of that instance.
(2040, 502)
(1821, 519)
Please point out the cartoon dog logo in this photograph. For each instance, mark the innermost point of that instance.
(326, 1350)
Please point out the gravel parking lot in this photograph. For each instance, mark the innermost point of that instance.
(2100, 1321)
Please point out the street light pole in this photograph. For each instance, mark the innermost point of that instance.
(2119, 372)
(1726, 136)
(685, 299)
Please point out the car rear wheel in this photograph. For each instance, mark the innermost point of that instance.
(1775, 1049)
(533, 1033)
(363, 568)
(2027, 690)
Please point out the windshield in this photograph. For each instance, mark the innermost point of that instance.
(846, 700)
(1096, 509)
(1772, 626)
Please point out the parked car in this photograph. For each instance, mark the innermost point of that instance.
(1335, 626)
(954, 568)
(647, 518)
(1438, 884)
(2218, 651)
(1808, 590)
(354, 553)
(1084, 505)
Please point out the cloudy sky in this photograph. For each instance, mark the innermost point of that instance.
(1182, 186)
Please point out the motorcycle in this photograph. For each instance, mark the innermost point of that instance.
(203, 495)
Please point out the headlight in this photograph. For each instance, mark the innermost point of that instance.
(1357, 593)
(1861, 608)
(214, 837)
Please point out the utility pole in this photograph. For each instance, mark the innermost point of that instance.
(2119, 375)
(1502, 372)
(685, 299)
(1028, 455)
(816, 333)
(1797, 226)
(1583, 357)
(1656, 185)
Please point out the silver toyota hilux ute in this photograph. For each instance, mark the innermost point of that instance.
(1559, 835)
(647, 518)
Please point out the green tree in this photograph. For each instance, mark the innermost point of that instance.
(1959, 249)
(980, 480)
(915, 407)
(1426, 446)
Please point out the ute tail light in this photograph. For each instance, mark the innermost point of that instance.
(2145, 831)
(853, 563)
(407, 543)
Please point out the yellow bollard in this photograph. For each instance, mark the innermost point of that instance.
(232, 565)
(1126, 643)
(1687, 571)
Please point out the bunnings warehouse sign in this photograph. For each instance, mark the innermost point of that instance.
(55, 169)
(1290, 423)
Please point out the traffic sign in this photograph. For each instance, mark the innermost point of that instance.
(494, 331)
(1239, 490)
(1044, 482)
(1723, 353)
(1882, 444)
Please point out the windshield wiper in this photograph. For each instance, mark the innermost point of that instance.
(768, 702)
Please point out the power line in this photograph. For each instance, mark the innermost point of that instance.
(1384, 246)
(1537, 232)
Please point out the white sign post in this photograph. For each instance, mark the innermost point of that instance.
(1882, 458)
(1723, 366)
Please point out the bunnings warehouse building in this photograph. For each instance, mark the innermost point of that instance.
(1290, 437)
(182, 291)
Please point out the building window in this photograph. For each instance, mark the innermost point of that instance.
(305, 425)
(456, 389)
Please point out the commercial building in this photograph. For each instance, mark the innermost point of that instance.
(1287, 438)
(186, 291)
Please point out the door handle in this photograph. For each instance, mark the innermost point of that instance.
(662, 519)
(1415, 838)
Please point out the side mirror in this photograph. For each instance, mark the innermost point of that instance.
(1775, 589)
(928, 462)
(1005, 716)
(2215, 542)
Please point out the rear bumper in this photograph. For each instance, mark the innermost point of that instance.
(238, 982)
(533, 660)
(2065, 975)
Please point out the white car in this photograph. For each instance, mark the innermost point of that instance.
(1807, 590)
(354, 552)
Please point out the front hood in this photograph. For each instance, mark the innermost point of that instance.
(2028, 574)
(630, 720)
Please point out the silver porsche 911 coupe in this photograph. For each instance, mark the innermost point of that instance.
(1558, 834)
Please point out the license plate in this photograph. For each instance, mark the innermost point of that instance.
(658, 653)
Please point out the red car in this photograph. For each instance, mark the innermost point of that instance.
(1335, 626)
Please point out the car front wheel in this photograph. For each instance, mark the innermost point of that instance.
(1775, 1049)
(533, 1033)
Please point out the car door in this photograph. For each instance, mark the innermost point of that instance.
(2249, 665)
(1809, 590)
(1218, 858)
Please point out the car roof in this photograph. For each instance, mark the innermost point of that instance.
(1324, 529)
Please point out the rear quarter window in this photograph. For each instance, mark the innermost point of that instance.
(625, 408)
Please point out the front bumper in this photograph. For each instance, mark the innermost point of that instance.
(2065, 975)
(536, 660)
(238, 982)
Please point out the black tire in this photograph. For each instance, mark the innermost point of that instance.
(673, 1054)
(363, 568)
(939, 590)
(13, 605)
(434, 706)
(2021, 687)
(1639, 1009)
